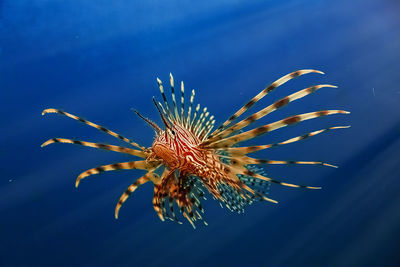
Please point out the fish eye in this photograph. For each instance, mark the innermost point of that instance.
(170, 132)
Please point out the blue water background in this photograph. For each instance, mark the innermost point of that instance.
(98, 59)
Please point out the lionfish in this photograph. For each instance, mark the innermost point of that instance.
(186, 158)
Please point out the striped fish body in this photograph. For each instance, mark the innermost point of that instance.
(178, 148)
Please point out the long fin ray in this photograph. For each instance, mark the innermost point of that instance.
(177, 117)
(240, 169)
(240, 151)
(249, 160)
(119, 149)
(269, 109)
(230, 141)
(263, 93)
(101, 128)
(144, 179)
(141, 165)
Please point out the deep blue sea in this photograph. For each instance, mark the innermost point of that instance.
(99, 59)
